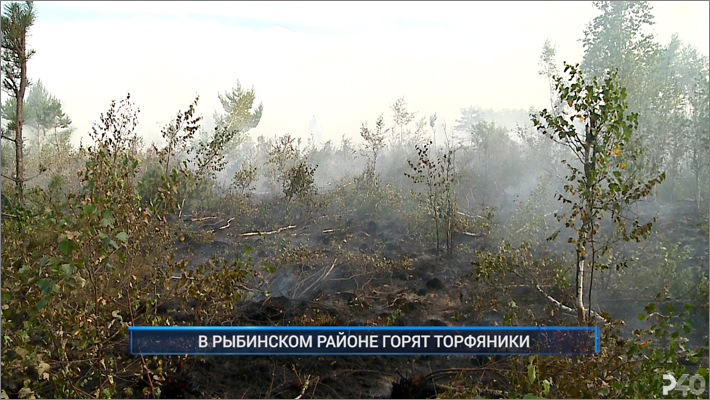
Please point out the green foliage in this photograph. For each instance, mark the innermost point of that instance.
(209, 150)
(548, 68)
(374, 142)
(392, 318)
(533, 380)
(496, 155)
(531, 219)
(697, 124)
(671, 109)
(605, 176)
(624, 367)
(214, 288)
(189, 167)
(284, 153)
(150, 182)
(518, 265)
(177, 134)
(17, 19)
(660, 81)
(469, 117)
(169, 187)
(43, 112)
(293, 172)
(94, 253)
(244, 178)
(298, 181)
(9, 110)
(82, 287)
(437, 175)
(618, 38)
(402, 118)
(676, 268)
(100, 263)
(240, 115)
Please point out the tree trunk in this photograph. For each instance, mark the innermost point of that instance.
(581, 315)
(56, 140)
(436, 224)
(697, 192)
(19, 162)
(586, 217)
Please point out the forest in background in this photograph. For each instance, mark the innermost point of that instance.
(593, 210)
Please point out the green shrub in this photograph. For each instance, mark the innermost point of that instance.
(101, 262)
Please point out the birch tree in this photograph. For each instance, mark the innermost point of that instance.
(603, 177)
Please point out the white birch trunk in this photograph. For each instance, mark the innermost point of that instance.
(581, 314)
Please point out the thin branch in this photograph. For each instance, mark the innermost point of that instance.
(267, 233)
(8, 177)
(562, 306)
(229, 222)
(472, 234)
(30, 178)
(470, 216)
(201, 219)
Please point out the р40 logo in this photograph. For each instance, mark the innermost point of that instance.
(692, 386)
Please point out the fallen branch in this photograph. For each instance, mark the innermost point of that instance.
(449, 371)
(236, 285)
(228, 223)
(201, 219)
(304, 387)
(181, 207)
(550, 298)
(470, 216)
(267, 233)
(472, 234)
(562, 306)
(325, 273)
(556, 302)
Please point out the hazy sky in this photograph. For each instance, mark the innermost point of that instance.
(343, 63)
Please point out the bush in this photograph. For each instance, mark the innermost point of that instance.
(101, 263)
(298, 181)
(244, 178)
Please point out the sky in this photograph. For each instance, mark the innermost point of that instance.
(342, 63)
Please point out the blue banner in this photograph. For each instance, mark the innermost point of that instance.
(362, 340)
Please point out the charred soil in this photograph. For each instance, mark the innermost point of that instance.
(362, 269)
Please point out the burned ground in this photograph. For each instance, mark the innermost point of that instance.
(362, 269)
